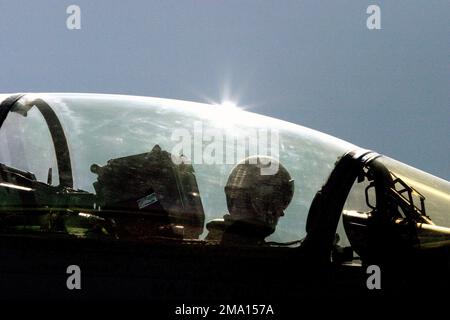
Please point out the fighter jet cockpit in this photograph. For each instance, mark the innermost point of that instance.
(124, 168)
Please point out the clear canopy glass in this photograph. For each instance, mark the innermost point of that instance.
(212, 138)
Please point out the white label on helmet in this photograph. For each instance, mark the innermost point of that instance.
(147, 200)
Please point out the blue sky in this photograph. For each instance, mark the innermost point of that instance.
(310, 62)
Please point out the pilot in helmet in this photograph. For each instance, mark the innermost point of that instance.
(258, 191)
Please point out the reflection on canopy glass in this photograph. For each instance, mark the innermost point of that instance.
(132, 179)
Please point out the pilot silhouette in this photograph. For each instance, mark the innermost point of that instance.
(256, 199)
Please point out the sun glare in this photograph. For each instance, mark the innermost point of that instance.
(229, 104)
